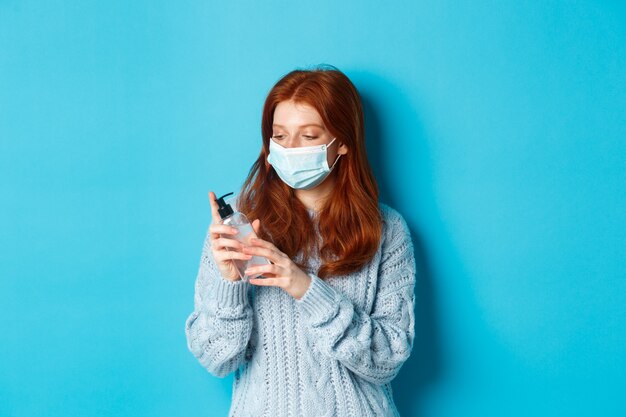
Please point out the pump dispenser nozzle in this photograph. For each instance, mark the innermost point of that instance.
(224, 209)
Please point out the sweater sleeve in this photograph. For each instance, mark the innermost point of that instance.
(373, 346)
(219, 328)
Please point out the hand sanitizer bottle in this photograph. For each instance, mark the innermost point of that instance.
(240, 222)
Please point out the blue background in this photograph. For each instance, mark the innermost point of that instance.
(497, 128)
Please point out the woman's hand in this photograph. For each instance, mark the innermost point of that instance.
(283, 273)
(226, 252)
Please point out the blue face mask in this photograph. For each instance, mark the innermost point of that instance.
(301, 168)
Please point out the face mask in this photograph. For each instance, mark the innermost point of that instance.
(301, 168)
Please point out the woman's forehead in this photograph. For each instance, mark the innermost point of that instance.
(291, 113)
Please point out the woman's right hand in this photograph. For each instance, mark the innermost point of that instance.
(225, 258)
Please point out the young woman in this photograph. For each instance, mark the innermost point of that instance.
(330, 322)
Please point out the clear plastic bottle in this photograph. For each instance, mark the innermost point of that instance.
(240, 222)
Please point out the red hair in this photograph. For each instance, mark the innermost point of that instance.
(350, 223)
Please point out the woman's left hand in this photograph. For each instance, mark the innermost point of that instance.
(283, 273)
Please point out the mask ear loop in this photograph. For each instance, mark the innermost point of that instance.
(336, 159)
(334, 163)
(331, 142)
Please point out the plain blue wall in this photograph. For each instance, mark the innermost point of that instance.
(497, 129)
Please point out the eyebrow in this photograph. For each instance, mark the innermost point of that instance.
(307, 125)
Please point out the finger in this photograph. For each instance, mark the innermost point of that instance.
(266, 282)
(267, 253)
(229, 255)
(215, 216)
(223, 229)
(256, 241)
(218, 230)
(256, 225)
(223, 242)
(263, 269)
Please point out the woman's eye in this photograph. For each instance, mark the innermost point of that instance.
(278, 137)
(310, 137)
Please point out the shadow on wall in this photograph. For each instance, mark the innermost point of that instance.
(388, 129)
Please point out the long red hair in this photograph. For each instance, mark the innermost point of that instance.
(350, 223)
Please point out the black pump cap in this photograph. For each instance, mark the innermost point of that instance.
(224, 209)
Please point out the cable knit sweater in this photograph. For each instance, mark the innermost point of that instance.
(333, 353)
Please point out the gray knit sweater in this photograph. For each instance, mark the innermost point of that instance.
(333, 353)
